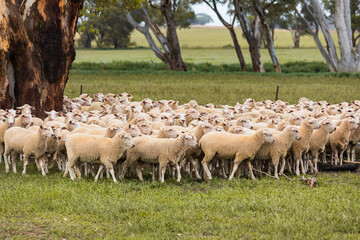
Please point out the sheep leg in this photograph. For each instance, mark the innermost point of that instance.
(315, 160)
(77, 170)
(178, 172)
(14, 158)
(110, 168)
(348, 150)
(297, 159)
(195, 166)
(6, 161)
(302, 165)
(275, 162)
(99, 171)
(235, 167)
(42, 166)
(163, 170)
(250, 170)
(353, 154)
(86, 170)
(138, 172)
(205, 162)
(282, 165)
(336, 156)
(153, 170)
(223, 168)
(341, 157)
(26, 162)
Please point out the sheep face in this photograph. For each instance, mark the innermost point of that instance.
(190, 140)
(128, 140)
(27, 120)
(10, 120)
(99, 97)
(145, 128)
(352, 123)
(314, 123)
(207, 127)
(329, 125)
(56, 132)
(52, 115)
(26, 109)
(268, 136)
(170, 132)
(296, 133)
(134, 131)
(249, 102)
(244, 123)
(47, 131)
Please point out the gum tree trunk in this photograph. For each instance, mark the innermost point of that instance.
(36, 52)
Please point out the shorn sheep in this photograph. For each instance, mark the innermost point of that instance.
(93, 133)
(227, 145)
(96, 149)
(159, 150)
(31, 143)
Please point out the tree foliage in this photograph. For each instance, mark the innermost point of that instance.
(201, 19)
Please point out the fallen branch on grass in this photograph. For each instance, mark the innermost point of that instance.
(310, 180)
(264, 173)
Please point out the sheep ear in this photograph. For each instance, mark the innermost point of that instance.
(41, 127)
(63, 128)
(48, 113)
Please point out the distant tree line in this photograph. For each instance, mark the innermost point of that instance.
(257, 19)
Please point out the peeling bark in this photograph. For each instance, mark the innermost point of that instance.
(41, 49)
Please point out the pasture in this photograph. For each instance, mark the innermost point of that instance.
(54, 207)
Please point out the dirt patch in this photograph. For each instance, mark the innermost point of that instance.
(26, 229)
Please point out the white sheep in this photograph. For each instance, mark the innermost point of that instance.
(29, 143)
(159, 150)
(96, 149)
(227, 145)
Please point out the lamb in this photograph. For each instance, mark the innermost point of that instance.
(96, 149)
(299, 147)
(318, 140)
(29, 143)
(339, 139)
(227, 145)
(278, 149)
(159, 150)
(24, 120)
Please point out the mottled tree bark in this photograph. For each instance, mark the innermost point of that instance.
(36, 52)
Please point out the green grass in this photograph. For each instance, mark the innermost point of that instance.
(215, 37)
(32, 206)
(54, 207)
(218, 87)
(215, 56)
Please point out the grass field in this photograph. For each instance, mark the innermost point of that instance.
(206, 44)
(218, 37)
(32, 206)
(215, 56)
(219, 88)
(53, 207)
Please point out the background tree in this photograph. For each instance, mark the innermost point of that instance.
(108, 29)
(229, 26)
(201, 19)
(292, 22)
(170, 14)
(349, 60)
(36, 51)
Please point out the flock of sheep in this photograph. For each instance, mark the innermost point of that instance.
(113, 132)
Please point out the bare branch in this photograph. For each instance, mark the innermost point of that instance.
(153, 6)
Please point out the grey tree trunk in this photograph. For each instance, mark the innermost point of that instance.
(268, 36)
(229, 27)
(170, 53)
(251, 35)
